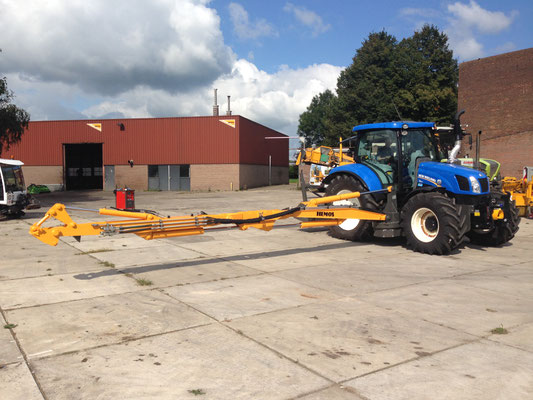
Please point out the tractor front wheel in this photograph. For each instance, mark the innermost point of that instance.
(351, 229)
(431, 223)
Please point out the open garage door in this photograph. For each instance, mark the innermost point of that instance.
(83, 166)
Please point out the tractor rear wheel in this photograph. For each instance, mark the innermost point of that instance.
(351, 229)
(504, 230)
(431, 223)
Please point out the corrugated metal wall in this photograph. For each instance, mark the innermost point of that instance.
(255, 149)
(189, 140)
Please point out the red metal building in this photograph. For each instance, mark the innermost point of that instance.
(190, 153)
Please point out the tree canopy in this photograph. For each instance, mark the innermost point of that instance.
(13, 120)
(415, 79)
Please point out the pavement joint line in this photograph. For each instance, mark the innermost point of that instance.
(407, 361)
(483, 336)
(335, 385)
(278, 353)
(223, 323)
(81, 299)
(24, 356)
(488, 338)
(121, 342)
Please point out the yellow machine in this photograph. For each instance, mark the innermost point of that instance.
(312, 213)
(322, 159)
(521, 191)
(324, 155)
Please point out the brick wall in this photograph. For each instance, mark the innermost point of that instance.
(214, 176)
(497, 94)
(133, 178)
(235, 176)
(43, 175)
(257, 175)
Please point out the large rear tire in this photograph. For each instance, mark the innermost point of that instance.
(431, 224)
(351, 229)
(504, 230)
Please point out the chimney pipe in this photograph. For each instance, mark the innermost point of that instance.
(228, 113)
(215, 105)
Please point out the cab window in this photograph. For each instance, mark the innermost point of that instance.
(378, 150)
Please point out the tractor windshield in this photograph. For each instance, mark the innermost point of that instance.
(13, 178)
(378, 150)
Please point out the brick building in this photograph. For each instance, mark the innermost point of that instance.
(497, 94)
(189, 153)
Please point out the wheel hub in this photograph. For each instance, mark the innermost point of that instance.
(431, 224)
(425, 225)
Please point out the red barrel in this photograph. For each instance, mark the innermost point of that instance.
(124, 199)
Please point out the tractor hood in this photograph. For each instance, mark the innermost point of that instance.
(453, 178)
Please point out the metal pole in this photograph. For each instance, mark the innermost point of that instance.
(269, 170)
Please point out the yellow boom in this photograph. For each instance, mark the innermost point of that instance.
(150, 226)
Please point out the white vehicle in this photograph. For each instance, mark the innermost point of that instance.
(13, 195)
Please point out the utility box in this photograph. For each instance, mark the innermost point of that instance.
(124, 199)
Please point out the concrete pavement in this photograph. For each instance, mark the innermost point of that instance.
(254, 315)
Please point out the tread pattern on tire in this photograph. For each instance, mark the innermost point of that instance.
(451, 225)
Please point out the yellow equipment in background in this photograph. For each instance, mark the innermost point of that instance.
(151, 226)
(324, 155)
(521, 191)
(322, 159)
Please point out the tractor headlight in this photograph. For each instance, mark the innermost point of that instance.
(476, 188)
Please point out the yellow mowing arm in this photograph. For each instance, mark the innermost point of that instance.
(150, 226)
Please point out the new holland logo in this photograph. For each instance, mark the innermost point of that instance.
(97, 126)
(229, 122)
(325, 214)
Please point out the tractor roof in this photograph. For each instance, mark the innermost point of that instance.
(393, 125)
(10, 162)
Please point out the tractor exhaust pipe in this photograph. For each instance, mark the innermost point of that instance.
(452, 158)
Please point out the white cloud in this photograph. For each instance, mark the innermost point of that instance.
(246, 29)
(108, 48)
(308, 18)
(278, 99)
(275, 100)
(468, 23)
(485, 21)
(76, 59)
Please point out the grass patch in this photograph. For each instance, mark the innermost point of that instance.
(93, 251)
(144, 282)
(10, 326)
(499, 331)
(107, 264)
(197, 392)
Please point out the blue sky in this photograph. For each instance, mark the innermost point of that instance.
(345, 24)
(74, 59)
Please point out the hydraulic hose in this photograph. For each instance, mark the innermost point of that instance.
(254, 220)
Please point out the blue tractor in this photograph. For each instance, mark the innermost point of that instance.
(434, 205)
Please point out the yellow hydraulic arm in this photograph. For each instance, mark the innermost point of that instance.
(150, 226)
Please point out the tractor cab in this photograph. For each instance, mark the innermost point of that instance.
(394, 150)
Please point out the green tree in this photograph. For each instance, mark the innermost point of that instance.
(365, 88)
(415, 79)
(311, 123)
(427, 77)
(13, 120)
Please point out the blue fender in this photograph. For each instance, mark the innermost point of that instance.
(359, 171)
